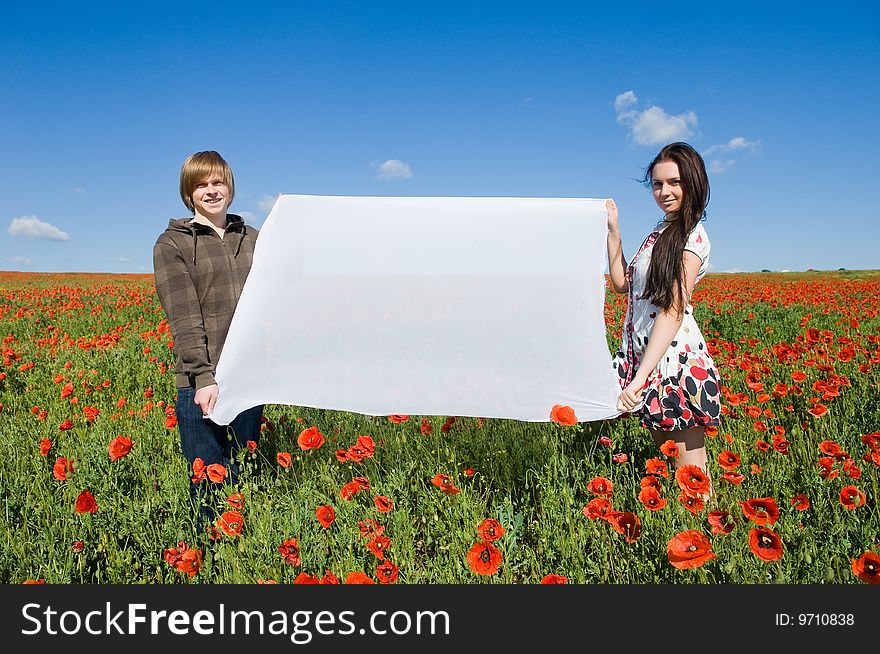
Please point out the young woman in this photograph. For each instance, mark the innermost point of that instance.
(667, 377)
(200, 265)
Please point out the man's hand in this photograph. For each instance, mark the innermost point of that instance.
(206, 398)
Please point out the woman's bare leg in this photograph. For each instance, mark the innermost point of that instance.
(691, 448)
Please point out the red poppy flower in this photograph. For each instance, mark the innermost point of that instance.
(398, 418)
(61, 468)
(383, 503)
(620, 457)
(780, 444)
(693, 503)
(444, 483)
(426, 427)
(818, 410)
(692, 480)
(564, 415)
(801, 502)
(627, 524)
(650, 481)
(190, 561)
(851, 497)
(326, 515)
(484, 558)
(670, 449)
(447, 424)
(198, 470)
(306, 578)
(216, 472)
(798, 376)
(656, 466)
(236, 501)
(170, 422)
(310, 439)
(762, 445)
(358, 578)
(729, 460)
(251, 446)
(765, 544)
(350, 489)
(289, 551)
(761, 510)
(342, 456)
(867, 568)
(366, 444)
(231, 523)
(45, 446)
(689, 549)
(66, 425)
(554, 579)
(469, 472)
(284, 459)
(721, 522)
(826, 470)
(598, 509)
(850, 468)
(329, 578)
(387, 572)
(119, 447)
(370, 528)
(601, 486)
(85, 503)
(651, 499)
(378, 545)
(490, 530)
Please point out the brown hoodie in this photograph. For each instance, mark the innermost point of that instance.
(199, 277)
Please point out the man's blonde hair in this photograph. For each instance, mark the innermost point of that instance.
(198, 167)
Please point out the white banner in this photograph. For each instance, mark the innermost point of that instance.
(483, 307)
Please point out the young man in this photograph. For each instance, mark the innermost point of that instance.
(200, 266)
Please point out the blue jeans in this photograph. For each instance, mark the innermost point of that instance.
(212, 443)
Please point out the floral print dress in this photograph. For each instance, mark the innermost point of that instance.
(684, 390)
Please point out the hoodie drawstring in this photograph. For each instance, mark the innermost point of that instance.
(195, 234)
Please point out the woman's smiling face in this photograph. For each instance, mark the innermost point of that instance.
(666, 186)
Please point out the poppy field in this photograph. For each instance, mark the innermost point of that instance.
(96, 490)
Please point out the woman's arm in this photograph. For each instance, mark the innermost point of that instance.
(663, 332)
(616, 262)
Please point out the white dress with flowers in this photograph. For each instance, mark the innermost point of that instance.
(684, 390)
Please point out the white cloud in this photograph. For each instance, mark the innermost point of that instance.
(719, 166)
(122, 260)
(247, 216)
(653, 125)
(266, 202)
(528, 102)
(24, 262)
(33, 227)
(624, 100)
(394, 169)
(734, 144)
(79, 190)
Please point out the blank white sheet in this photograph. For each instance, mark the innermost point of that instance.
(455, 306)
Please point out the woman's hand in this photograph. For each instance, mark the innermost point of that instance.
(206, 398)
(631, 396)
(611, 208)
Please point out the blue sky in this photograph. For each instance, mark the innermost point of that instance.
(101, 103)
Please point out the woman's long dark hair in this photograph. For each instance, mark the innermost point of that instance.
(666, 271)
